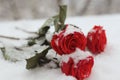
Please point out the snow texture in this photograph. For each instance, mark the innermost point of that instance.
(106, 66)
(76, 56)
(71, 29)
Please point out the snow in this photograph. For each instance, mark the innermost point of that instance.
(48, 36)
(94, 30)
(106, 65)
(76, 56)
(71, 29)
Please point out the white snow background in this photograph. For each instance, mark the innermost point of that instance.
(106, 66)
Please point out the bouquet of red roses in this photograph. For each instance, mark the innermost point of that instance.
(72, 45)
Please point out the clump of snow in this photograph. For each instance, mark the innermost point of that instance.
(51, 64)
(90, 38)
(50, 33)
(71, 29)
(76, 56)
(94, 30)
(19, 53)
(48, 36)
(51, 53)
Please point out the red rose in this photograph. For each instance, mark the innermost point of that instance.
(81, 70)
(96, 40)
(85, 67)
(68, 40)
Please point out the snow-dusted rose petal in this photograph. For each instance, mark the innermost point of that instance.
(96, 40)
(67, 40)
(78, 64)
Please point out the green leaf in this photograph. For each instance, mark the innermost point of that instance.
(31, 42)
(4, 52)
(60, 19)
(62, 15)
(45, 43)
(33, 61)
(44, 28)
(6, 56)
(56, 23)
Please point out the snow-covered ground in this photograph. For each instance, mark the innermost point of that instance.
(107, 64)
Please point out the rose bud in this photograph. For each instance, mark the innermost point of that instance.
(79, 64)
(96, 40)
(67, 40)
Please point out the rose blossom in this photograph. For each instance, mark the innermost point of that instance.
(66, 41)
(77, 64)
(96, 40)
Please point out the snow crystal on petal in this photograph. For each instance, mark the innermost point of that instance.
(77, 56)
(71, 29)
